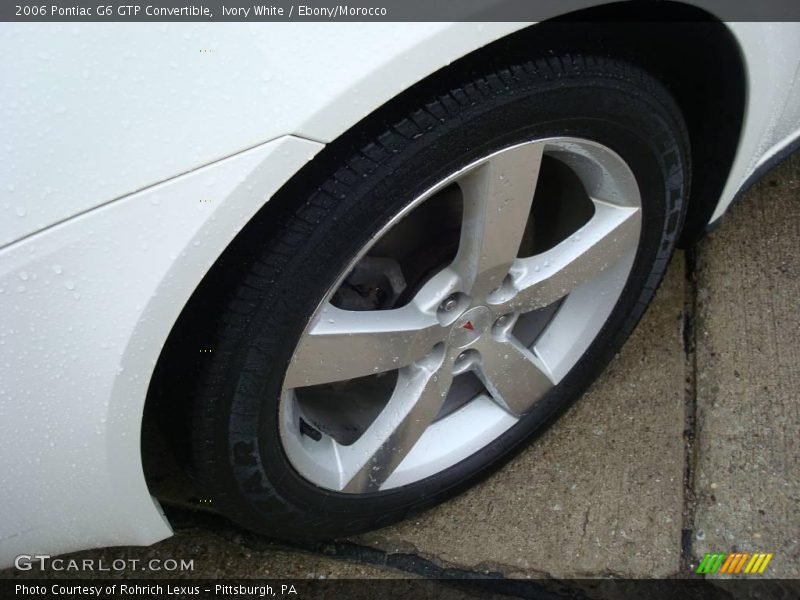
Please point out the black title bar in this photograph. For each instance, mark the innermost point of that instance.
(384, 10)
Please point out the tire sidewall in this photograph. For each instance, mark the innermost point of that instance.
(642, 131)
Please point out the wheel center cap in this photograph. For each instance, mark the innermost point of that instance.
(470, 326)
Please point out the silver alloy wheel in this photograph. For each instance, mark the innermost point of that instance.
(462, 320)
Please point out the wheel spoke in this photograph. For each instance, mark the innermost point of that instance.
(514, 376)
(345, 344)
(497, 200)
(540, 280)
(420, 392)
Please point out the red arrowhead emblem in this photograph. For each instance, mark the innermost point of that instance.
(468, 325)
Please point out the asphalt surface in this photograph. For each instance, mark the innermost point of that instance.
(687, 444)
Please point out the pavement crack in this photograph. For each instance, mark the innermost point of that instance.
(585, 523)
(690, 330)
(482, 578)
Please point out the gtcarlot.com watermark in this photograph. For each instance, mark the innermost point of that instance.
(44, 562)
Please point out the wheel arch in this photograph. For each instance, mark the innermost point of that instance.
(707, 58)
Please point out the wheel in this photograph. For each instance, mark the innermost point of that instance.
(440, 296)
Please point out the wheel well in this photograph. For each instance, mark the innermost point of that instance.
(694, 55)
(698, 59)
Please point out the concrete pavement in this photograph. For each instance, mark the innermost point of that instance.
(747, 454)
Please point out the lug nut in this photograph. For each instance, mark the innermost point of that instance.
(464, 361)
(502, 321)
(461, 362)
(449, 304)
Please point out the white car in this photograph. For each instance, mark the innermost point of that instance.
(347, 268)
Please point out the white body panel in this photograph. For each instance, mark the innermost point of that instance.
(108, 137)
(85, 106)
(76, 358)
(772, 115)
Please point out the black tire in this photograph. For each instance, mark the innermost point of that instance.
(237, 454)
